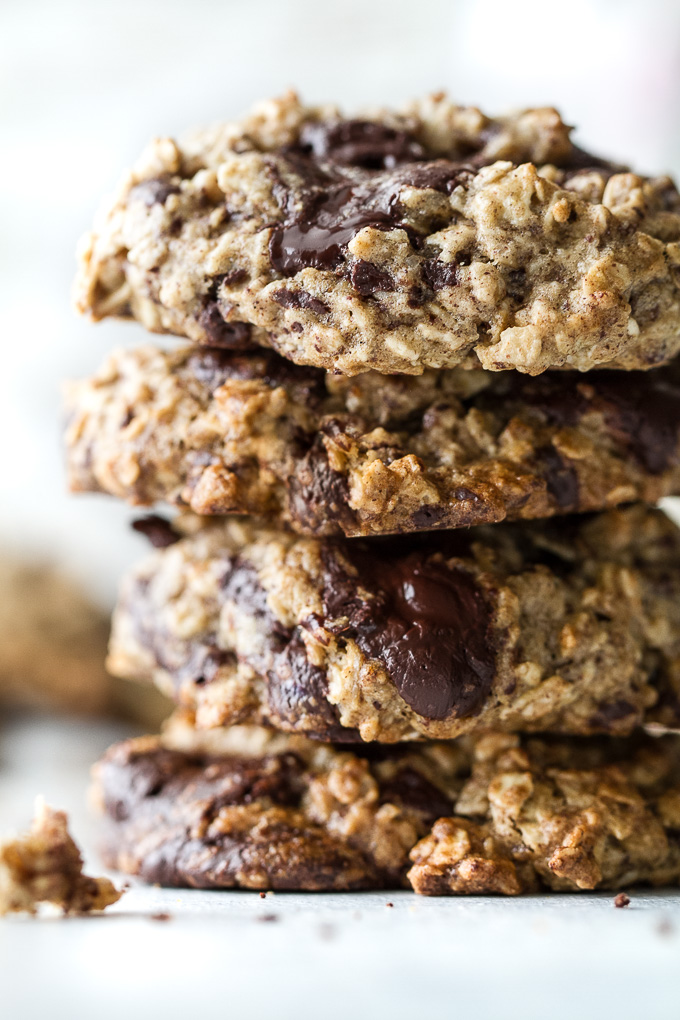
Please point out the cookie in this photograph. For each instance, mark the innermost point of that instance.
(570, 626)
(244, 808)
(394, 243)
(52, 641)
(223, 432)
(45, 866)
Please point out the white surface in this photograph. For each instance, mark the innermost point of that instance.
(324, 957)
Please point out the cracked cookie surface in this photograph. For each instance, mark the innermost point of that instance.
(428, 238)
(250, 808)
(571, 625)
(222, 432)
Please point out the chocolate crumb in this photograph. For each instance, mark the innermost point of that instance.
(622, 900)
(263, 896)
(162, 916)
(389, 904)
(268, 917)
(158, 530)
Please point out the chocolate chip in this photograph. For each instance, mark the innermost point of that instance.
(155, 190)
(319, 495)
(428, 517)
(561, 477)
(362, 143)
(410, 789)
(366, 278)
(158, 530)
(233, 335)
(214, 366)
(612, 712)
(439, 275)
(646, 416)
(299, 299)
(641, 410)
(621, 900)
(297, 691)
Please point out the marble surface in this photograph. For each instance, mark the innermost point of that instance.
(307, 956)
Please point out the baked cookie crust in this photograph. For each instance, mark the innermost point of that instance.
(257, 810)
(401, 241)
(223, 432)
(569, 626)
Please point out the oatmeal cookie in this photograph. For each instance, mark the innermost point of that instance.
(223, 432)
(497, 814)
(570, 625)
(397, 242)
(45, 866)
(52, 641)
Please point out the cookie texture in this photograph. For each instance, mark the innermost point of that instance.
(396, 242)
(223, 432)
(570, 626)
(52, 641)
(258, 810)
(45, 866)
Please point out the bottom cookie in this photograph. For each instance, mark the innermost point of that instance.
(246, 807)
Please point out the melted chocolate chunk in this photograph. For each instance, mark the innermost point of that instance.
(296, 688)
(646, 416)
(235, 336)
(428, 624)
(333, 206)
(241, 585)
(641, 409)
(561, 478)
(300, 299)
(319, 496)
(363, 143)
(155, 190)
(367, 278)
(214, 366)
(411, 790)
(158, 530)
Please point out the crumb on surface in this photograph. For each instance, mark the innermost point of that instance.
(46, 866)
(622, 900)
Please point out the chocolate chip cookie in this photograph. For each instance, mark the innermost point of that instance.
(224, 432)
(431, 237)
(571, 625)
(253, 809)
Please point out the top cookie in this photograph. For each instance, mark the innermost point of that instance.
(432, 237)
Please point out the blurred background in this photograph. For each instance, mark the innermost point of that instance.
(86, 85)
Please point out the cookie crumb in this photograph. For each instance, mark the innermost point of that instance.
(622, 900)
(268, 917)
(263, 896)
(46, 866)
(388, 904)
(162, 916)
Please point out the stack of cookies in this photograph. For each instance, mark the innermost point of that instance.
(417, 609)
